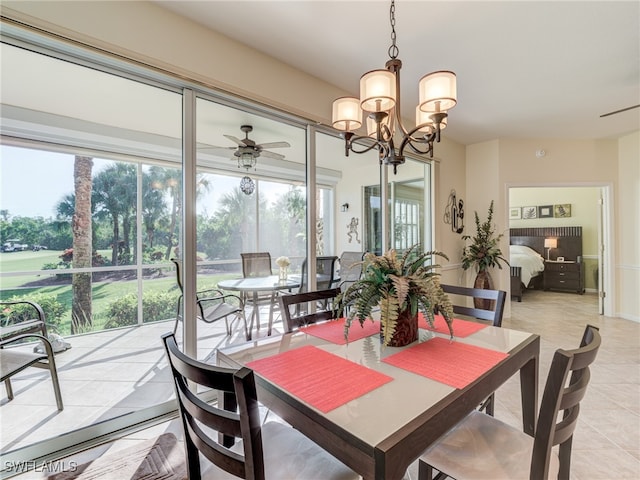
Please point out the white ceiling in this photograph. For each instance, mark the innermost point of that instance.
(525, 69)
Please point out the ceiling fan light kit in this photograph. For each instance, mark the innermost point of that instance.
(247, 152)
(380, 98)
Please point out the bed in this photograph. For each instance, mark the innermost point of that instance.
(527, 254)
(531, 263)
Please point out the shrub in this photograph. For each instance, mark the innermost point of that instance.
(53, 309)
(155, 306)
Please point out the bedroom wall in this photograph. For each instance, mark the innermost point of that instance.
(584, 213)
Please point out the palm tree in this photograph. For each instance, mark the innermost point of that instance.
(81, 312)
(115, 194)
(153, 203)
(236, 210)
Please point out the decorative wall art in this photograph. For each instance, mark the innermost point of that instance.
(529, 212)
(545, 211)
(352, 230)
(515, 213)
(562, 210)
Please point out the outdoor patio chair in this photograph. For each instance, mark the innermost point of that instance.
(350, 268)
(325, 273)
(15, 357)
(227, 440)
(212, 305)
(483, 447)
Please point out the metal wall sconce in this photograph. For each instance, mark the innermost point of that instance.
(344, 207)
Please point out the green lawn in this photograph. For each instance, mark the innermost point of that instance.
(104, 292)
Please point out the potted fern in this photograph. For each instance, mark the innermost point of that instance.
(401, 286)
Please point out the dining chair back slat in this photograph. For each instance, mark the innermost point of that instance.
(493, 315)
(297, 308)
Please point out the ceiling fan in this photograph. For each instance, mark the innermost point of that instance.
(619, 111)
(247, 150)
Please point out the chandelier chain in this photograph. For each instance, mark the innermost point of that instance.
(393, 49)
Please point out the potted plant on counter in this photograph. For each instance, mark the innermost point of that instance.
(402, 286)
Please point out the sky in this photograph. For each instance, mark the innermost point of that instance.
(32, 182)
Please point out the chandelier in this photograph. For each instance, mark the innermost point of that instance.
(380, 98)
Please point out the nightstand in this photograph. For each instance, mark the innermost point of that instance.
(564, 276)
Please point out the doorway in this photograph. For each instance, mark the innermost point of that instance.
(589, 207)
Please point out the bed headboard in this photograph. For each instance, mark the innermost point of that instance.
(569, 241)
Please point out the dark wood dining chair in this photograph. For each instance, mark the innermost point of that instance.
(212, 305)
(297, 308)
(14, 359)
(460, 296)
(232, 439)
(495, 309)
(482, 447)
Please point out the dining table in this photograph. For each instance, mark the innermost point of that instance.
(377, 408)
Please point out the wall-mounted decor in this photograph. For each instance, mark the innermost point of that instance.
(545, 211)
(562, 210)
(352, 230)
(515, 213)
(454, 213)
(529, 212)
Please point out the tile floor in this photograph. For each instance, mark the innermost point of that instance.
(607, 440)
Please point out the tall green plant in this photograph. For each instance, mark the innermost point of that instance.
(484, 251)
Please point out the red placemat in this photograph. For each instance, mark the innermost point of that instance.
(452, 363)
(333, 331)
(461, 328)
(320, 378)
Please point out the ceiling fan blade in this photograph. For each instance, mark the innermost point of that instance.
(221, 151)
(619, 111)
(277, 156)
(274, 145)
(236, 140)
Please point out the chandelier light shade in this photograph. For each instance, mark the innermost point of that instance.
(380, 98)
(378, 91)
(347, 114)
(438, 92)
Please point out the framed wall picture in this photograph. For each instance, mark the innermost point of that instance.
(562, 210)
(529, 212)
(545, 211)
(515, 213)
